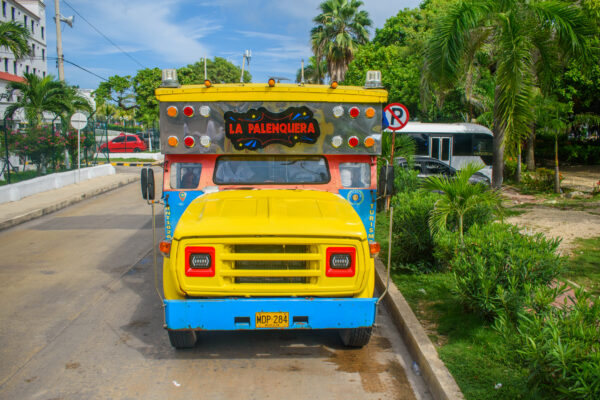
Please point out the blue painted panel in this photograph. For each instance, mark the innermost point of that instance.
(176, 201)
(220, 314)
(364, 203)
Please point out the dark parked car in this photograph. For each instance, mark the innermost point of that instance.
(427, 166)
(124, 144)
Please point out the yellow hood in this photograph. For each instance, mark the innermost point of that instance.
(270, 213)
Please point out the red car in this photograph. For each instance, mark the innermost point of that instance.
(124, 144)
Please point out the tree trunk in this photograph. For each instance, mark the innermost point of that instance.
(556, 173)
(530, 157)
(498, 147)
(518, 172)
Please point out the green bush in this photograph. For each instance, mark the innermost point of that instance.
(412, 242)
(510, 169)
(498, 268)
(560, 346)
(542, 180)
(406, 180)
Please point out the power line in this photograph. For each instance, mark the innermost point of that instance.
(67, 61)
(80, 67)
(103, 35)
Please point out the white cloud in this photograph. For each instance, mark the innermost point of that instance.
(143, 26)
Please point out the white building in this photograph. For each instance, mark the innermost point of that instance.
(32, 15)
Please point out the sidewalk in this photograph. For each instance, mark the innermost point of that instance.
(31, 207)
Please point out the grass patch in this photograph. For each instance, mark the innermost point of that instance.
(474, 353)
(584, 266)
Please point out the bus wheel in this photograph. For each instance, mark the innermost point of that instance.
(182, 339)
(356, 337)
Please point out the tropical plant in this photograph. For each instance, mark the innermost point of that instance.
(525, 40)
(15, 37)
(339, 30)
(38, 95)
(459, 197)
(552, 118)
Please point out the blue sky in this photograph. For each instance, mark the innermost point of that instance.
(174, 33)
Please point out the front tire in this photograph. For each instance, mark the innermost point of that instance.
(356, 337)
(182, 339)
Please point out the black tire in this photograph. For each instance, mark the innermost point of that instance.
(356, 337)
(136, 150)
(182, 339)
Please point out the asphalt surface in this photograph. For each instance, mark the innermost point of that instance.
(81, 320)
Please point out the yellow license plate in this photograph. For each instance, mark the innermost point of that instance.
(272, 320)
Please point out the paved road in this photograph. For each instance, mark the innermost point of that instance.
(80, 319)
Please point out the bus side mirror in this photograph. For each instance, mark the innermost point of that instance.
(385, 184)
(147, 183)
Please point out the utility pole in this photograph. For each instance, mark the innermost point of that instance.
(59, 52)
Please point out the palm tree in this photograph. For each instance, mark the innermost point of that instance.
(525, 38)
(38, 95)
(339, 30)
(14, 37)
(459, 197)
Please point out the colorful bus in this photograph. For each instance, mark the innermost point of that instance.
(269, 194)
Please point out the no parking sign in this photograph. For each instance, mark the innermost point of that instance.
(395, 116)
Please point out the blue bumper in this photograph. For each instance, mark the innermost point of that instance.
(237, 314)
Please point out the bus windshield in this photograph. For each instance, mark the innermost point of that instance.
(271, 170)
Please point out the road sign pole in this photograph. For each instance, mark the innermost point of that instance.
(78, 155)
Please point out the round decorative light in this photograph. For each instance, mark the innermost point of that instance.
(271, 82)
(353, 141)
(207, 83)
(354, 112)
(338, 111)
(188, 111)
(173, 141)
(334, 85)
(369, 141)
(205, 140)
(189, 141)
(205, 111)
(370, 112)
(337, 141)
(172, 111)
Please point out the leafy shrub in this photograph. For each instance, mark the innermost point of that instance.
(498, 268)
(560, 346)
(542, 180)
(510, 169)
(412, 241)
(406, 180)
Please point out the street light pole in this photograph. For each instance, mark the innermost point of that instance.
(59, 52)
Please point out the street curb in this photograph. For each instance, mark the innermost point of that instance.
(439, 380)
(9, 223)
(128, 164)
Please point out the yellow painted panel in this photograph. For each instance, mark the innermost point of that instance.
(281, 92)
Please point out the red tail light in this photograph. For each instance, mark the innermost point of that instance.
(340, 262)
(200, 261)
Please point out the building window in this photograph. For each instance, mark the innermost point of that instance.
(12, 12)
(44, 74)
(15, 67)
(27, 69)
(25, 21)
(6, 65)
(42, 32)
(33, 50)
(4, 9)
(43, 54)
(32, 26)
